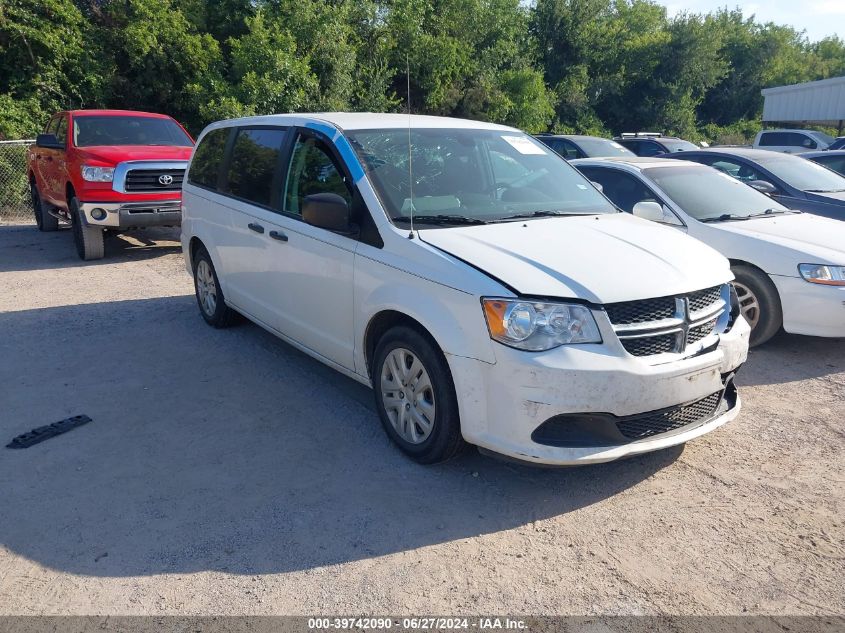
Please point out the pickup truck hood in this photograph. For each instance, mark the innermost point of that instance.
(805, 233)
(114, 154)
(600, 258)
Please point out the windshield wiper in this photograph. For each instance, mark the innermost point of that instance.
(440, 219)
(825, 190)
(725, 217)
(769, 212)
(537, 214)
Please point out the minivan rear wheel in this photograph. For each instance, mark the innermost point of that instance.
(759, 303)
(415, 396)
(210, 298)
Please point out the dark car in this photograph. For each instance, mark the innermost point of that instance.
(839, 143)
(572, 146)
(793, 181)
(648, 144)
(832, 159)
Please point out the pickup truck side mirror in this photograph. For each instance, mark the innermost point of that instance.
(764, 186)
(650, 210)
(328, 211)
(48, 141)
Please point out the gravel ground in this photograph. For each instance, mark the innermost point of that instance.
(225, 472)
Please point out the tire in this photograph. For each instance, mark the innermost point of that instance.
(759, 303)
(434, 402)
(46, 222)
(209, 294)
(88, 239)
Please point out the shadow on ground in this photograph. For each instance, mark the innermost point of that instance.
(24, 247)
(230, 450)
(789, 358)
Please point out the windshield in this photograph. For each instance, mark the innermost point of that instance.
(484, 175)
(704, 192)
(678, 145)
(826, 138)
(90, 131)
(600, 147)
(803, 174)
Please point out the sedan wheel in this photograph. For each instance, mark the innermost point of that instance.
(749, 305)
(408, 396)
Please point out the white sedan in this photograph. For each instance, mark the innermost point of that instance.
(789, 266)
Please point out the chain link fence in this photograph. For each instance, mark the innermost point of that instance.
(15, 200)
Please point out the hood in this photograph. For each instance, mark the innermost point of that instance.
(600, 258)
(114, 154)
(803, 233)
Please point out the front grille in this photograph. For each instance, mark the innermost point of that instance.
(650, 345)
(148, 180)
(631, 312)
(703, 299)
(656, 326)
(671, 419)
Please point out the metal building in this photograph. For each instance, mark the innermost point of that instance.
(816, 103)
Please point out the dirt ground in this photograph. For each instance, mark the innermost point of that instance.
(225, 472)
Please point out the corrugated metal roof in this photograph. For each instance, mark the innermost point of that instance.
(820, 102)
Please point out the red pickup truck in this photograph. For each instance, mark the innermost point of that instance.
(108, 170)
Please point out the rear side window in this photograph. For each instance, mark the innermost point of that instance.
(787, 139)
(254, 164)
(208, 158)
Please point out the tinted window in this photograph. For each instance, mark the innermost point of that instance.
(838, 144)
(128, 130)
(312, 170)
(836, 163)
(773, 139)
(803, 174)
(488, 175)
(623, 189)
(254, 163)
(649, 148)
(678, 145)
(705, 193)
(601, 147)
(568, 150)
(208, 158)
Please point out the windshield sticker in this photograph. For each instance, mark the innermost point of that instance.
(523, 145)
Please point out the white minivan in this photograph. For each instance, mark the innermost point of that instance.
(484, 289)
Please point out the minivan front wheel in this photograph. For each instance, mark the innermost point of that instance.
(209, 294)
(415, 396)
(759, 303)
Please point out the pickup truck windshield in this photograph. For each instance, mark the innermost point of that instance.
(476, 175)
(91, 131)
(704, 192)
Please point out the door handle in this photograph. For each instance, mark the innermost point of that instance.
(278, 235)
(256, 227)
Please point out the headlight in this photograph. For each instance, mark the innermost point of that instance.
(97, 174)
(822, 274)
(537, 326)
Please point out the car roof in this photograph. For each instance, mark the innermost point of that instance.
(790, 129)
(828, 152)
(576, 137)
(154, 115)
(637, 162)
(742, 152)
(367, 121)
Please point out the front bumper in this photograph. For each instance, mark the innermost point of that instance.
(132, 215)
(504, 403)
(811, 309)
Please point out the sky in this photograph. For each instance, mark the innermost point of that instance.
(819, 18)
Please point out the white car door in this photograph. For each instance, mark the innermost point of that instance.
(311, 282)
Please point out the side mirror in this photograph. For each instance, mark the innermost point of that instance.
(597, 185)
(327, 211)
(650, 210)
(764, 186)
(48, 141)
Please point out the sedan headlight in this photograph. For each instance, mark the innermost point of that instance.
(536, 326)
(823, 274)
(97, 174)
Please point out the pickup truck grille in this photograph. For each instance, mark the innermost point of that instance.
(668, 325)
(154, 180)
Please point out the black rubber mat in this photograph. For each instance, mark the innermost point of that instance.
(30, 438)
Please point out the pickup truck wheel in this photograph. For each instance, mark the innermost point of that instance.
(415, 396)
(759, 303)
(88, 239)
(43, 219)
(210, 299)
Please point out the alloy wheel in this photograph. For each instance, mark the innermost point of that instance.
(749, 305)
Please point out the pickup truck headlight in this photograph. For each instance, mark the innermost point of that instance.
(823, 274)
(97, 174)
(536, 326)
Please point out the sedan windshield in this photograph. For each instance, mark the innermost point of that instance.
(602, 147)
(803, 174)
(463, 176)
(705, 193)
(89, 131)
